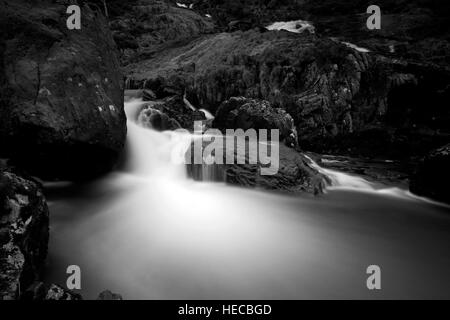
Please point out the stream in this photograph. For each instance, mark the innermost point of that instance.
(147, 231)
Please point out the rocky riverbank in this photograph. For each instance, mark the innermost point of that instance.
(387, 101)
(61, 117)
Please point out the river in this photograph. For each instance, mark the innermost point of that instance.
(146, 231)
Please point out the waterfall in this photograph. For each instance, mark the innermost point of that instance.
(208, 114)
(343, 180)
(153, 153)
(161, 154)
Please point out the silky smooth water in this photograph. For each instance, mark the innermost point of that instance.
(149, 232)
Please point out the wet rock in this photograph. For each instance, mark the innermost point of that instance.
(288, 171)
(176, 111)
(108, 295)
(155, 119)
(336, 95)
(39, 291)
(24, 233)
(294, 175)
(243, 113)
(61, 92)
(432, 175)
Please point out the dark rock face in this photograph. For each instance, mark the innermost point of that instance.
(243, 113)
(248, 14)
(417, 29)
(24, 232)
(61, 91)
(432, 176)
(147, 26)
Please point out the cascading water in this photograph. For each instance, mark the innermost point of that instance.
(149, 232)
(344, 181)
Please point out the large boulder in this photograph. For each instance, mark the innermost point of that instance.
(287, 171)
(244, 113)
(24, 233)
(294, 175)
(169, 114)
(433, 175)
(61, 91)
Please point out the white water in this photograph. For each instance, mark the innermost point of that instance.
(208, 114)
(181, 5)
(344, 181)
(148, 232)
(355, 47)
(296, 26)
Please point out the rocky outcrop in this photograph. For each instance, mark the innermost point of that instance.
(243, 113)
(234, 14)
(155, 119)
(24, 232)
(341, 100)
(61, 91)
(288, 171)
(294, 175)
(415, 30)
(169, 114)
(433, 175)
(148, 26)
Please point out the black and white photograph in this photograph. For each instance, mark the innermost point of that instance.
(224, 150)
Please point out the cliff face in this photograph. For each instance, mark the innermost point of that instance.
(61, 91)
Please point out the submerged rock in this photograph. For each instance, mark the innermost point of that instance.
(41, 291)
(108, 295)
(24, 234)
(433, 175)
(61, 92)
